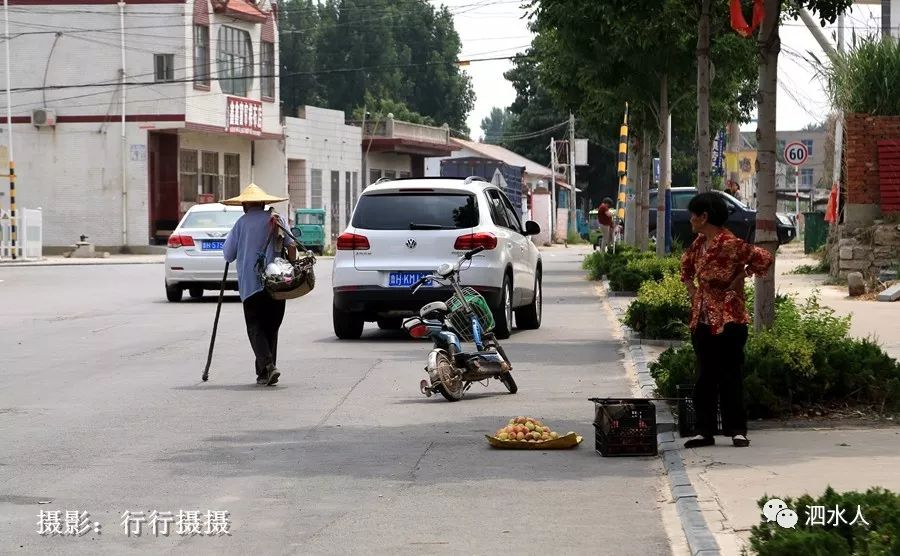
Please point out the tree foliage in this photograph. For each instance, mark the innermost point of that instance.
(632, 47)
(400, 52)
(534, 109)
(867, 79)
(497, 124)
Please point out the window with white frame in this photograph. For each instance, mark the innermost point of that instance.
(235, 60)
(164, 67)
(267, 70)
(201, 55)
(809, 145)
(374, 175)
(806, 177)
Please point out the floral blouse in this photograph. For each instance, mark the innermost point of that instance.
(713, 268)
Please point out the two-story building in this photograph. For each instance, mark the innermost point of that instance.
(126, 114)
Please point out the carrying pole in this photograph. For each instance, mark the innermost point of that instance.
(212, 340)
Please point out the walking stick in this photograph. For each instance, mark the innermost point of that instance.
(212, 340)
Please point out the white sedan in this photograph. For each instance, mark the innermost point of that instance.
(194, 260)
(402, 230)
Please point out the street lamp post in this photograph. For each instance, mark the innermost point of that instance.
(12, 166)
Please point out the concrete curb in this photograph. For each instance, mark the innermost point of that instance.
(612, 293)
(700, 539)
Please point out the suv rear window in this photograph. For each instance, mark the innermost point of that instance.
(211, 219)
(411, 211)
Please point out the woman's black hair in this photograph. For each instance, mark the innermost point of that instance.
(713, 205)
(607, 201)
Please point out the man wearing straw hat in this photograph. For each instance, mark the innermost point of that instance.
(246, 240)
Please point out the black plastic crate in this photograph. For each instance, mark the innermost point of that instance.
(687, 416)
(625, 426)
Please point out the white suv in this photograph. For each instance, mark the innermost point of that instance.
(404, 229)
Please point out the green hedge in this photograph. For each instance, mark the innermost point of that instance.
(662, 309)
(628, 268)
(881, 537)
(806, 358)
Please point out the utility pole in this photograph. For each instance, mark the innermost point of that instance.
(553, 190)
(662, 193)
(362, 137)
(573, 225)
(9, 132)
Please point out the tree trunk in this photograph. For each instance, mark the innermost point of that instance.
(766, 232)
(637, 213)
(663, 166)
(631, 185)
(704, 155)
(646, 184)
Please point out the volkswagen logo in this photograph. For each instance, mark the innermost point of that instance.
(411, 243)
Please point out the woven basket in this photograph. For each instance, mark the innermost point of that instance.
(301, 283)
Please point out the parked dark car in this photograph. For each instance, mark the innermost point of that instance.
(741, 218)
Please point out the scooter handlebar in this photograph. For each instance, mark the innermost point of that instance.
(422, 281)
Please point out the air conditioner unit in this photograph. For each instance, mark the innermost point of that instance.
(43, 117)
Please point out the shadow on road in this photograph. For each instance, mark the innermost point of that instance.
(427, 453)
(233, 387)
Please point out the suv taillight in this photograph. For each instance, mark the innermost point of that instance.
(471, 241)
(352, 242)
(180, 241)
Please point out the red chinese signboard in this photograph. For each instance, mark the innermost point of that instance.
(243, 116)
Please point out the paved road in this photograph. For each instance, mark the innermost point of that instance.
(102, 410)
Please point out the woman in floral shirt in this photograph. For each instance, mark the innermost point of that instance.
(714, 269)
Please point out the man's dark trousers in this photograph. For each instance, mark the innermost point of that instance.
(263, 316)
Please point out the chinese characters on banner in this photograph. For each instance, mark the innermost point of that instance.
(243, 116)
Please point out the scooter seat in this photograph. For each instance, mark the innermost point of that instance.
(436, 307)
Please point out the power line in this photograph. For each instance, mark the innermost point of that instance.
(203, 80)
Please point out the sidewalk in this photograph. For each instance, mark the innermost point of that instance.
(868, 317)
(63, 261)
(793, 458)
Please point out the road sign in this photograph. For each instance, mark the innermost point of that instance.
(795, 154)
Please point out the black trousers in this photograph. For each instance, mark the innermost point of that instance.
(263, 316)
(720, 379)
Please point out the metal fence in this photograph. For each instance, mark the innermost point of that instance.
(30, 237)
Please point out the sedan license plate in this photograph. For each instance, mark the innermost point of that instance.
(212, 245)
(406, 279)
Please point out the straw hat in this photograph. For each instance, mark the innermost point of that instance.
(253, 194)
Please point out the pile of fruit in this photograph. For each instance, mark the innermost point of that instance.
(526, 429)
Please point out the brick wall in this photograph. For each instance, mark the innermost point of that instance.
(861, 154)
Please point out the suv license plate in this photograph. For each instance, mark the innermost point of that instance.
(406, 279)
(212, 245)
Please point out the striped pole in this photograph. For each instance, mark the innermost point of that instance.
(12, 207)
(623, 157)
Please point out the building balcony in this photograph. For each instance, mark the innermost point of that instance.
(395, 136)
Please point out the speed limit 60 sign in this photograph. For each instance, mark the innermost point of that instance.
(796, 154)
